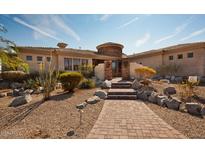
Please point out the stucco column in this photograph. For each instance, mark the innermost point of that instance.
(108, 70)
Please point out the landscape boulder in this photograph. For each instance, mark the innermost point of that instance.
(161, 100)
(16, 85)
(194, 108)
(203, 111)
(169, 91)
(81, 105)
(153, 97)
(28, 91)
(20, 100)
(18, 92)
(182, 107)
(178, 79)
(106, 84)
(4, 85)
(173, 103)
(136, 85)
(101, 93)
(93, 100)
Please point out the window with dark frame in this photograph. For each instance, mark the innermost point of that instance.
(48, 59)
(68, 64)
(29, 58)
(180, 56)
(76, 64)
(39, 58)
(171, 57)
(190, 55)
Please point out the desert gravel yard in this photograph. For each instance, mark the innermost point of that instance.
(190, 126)
(51, 119)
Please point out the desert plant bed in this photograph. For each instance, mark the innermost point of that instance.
(50, 119)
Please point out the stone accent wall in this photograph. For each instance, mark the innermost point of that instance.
(108, 70)
(125, 70)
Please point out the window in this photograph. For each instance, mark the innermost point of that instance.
(39, 58)
(76, 64)
(68, 64)
(180, 56)
(171, 57)
(84, 61)
(29, 58)
(190, 55)
(48, 59)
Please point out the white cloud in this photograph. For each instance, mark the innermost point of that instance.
(128, 23)
(105, 17)
(193, 34)
(35, 28)
(143, 40)
(178, 30)
(68, 30)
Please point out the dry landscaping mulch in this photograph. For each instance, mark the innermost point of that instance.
(190, 126)
(51, 119)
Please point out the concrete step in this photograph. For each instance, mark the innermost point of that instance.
(121, 83)
(122, 97)
(120, 86)
(121, 92)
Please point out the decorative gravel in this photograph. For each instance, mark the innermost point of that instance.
(51, 119)
(190, 126)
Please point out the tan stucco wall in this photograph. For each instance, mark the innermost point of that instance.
(34, 64)
(133, 66)
(151, 61)
(189, 66)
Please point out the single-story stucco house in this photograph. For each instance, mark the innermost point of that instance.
(110, 61)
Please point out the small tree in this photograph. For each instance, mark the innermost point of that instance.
(47, 78)
(9, 54)
(87, 71)
(171, 69)
(145, 73)
(187, 89)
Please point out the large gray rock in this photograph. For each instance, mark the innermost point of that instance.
(136, 85)
(93, 100)
(178, 79)
(139, 94)
(182, 107)
(161, 99)
(4, 85)
(203, 111)
(173, 103)
(18, 92)
(20, 100)
(101, 93)
(194, 108)
(153, 97)
(106, 84)
(81, 105)
(169, 91)
(28, 91)
(16, 85)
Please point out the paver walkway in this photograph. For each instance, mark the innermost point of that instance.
(130, 119)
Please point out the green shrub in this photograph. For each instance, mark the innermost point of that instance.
(87, 71)
(16, 76)
(70, 80)
(87, 84)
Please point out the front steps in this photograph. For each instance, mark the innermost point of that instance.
(121, 91)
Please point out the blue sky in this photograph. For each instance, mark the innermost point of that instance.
(136, 32)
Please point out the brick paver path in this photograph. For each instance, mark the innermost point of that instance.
(130, 119)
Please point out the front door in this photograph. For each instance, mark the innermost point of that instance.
(116, 68)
